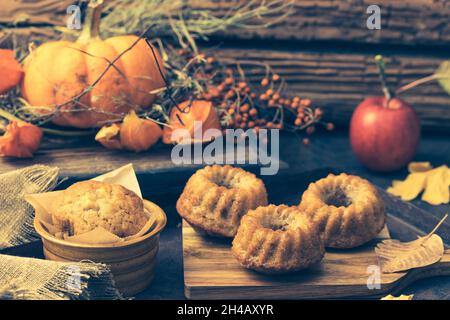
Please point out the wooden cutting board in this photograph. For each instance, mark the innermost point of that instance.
(211, 272)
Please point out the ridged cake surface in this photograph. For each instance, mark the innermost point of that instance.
(348, 210)
(277, 239)
(216, 197)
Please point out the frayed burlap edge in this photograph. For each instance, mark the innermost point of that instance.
(95, 283)
(36, 178)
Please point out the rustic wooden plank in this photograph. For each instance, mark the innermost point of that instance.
(339, 80)
(85, 158)
(79, 159)
(211, 272)
(168, 283)
(410, 22)
(30, 12)
(333, 78)
(88, 159)
(413, 22)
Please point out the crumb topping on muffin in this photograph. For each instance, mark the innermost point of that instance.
(87, 205)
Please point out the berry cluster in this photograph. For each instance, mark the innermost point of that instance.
(242, 105)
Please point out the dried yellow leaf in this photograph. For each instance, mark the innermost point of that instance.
(437, 186)
(410, 188)
(396, 183)
(435, 183)
(419, 167)
(402, 297)
(395, 256)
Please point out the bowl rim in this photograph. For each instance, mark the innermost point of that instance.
(158, 226)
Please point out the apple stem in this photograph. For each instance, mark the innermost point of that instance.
(387, 92)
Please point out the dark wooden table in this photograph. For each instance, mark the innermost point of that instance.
(82, 159)
(325, 52)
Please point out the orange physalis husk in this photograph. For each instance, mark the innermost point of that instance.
(199, 111)
(10, 70)
(21, 140)
(109, 136)
(138, 134)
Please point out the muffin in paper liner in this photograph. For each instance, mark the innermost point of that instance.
(45, 206)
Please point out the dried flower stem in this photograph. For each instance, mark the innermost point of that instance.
(437, 227)
(8, 116)
(420, 81)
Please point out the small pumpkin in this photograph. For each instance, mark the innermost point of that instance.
(189, 112)
(58, 71)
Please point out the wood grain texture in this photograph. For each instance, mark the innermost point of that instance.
(332, 149)
(409, 22)
(403, 22)
(211, 272)
(31, 12)
(338, 80)
(85, 158)
(335, 78)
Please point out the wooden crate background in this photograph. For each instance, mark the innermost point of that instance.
(324, 49)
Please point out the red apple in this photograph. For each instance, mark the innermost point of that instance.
(384, 136)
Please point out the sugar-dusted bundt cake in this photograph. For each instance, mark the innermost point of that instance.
(348, 210)
(216, 197)
(277, 239)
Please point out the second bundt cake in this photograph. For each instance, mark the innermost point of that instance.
(216, 197)
(277, 239)
(348, 210)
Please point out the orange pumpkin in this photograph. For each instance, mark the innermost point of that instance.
(58, 71)
(197, 110)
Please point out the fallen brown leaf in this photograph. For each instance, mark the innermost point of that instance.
(395, 256)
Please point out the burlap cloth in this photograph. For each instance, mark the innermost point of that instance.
(27, 278)
(36, 279)
(16, 214)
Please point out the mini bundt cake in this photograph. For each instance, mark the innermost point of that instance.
(348, 210)
(277, 239)
(216, 197)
